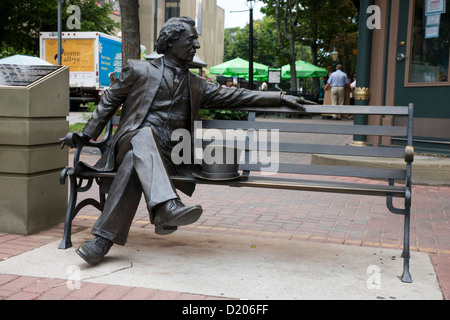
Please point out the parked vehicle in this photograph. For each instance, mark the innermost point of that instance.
(91, 57)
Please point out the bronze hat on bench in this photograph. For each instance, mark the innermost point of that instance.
(220, 163)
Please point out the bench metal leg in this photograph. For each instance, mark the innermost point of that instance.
(70, 214)
(406, 212)
(73, 208)
(406, 276)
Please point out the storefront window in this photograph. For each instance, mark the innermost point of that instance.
(172, 9)
(430, 51)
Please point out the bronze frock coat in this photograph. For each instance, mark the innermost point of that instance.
(135, 90)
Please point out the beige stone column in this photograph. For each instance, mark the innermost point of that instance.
(32, 119)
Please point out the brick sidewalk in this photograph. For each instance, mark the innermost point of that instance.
(289, 215)
(283, 214)
(14, 287)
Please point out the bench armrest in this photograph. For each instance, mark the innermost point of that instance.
(72, 140)
(75, 140)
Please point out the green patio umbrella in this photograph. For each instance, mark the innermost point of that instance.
(303, 70)
(239, 67)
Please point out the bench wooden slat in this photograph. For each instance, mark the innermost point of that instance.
(363, 110)
(307, 127)
(344, 171)
(319, 109)
(306, 185)
(285, 147)
(96, 174)
(360, 172)
(338, 150)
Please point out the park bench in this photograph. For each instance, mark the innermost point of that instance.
(290, 175)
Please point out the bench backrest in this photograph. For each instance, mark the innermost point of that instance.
(254, 129)
(323, 128)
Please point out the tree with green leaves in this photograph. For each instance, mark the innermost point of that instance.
(320, 25)
(265, 46)
(330, 24)
(264, 37)
(22, 21)
(286, 16)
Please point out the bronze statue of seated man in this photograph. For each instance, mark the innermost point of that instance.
(157, 97)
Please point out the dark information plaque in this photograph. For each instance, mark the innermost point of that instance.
(14, 75)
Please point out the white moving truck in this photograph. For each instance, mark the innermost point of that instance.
(90, 56)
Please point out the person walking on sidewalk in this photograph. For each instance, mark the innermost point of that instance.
(338, 82)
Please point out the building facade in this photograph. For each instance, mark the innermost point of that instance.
(409, 63)
(210, 22)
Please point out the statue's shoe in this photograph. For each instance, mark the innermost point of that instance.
(93, 251)
(173, 213)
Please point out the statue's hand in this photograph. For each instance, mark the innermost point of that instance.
(73, 138)
(294, 101)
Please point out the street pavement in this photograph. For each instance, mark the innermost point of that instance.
(249, 244)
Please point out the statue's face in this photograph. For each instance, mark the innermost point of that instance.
(184, 48)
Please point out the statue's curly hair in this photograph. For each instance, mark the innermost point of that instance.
(170, 31)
